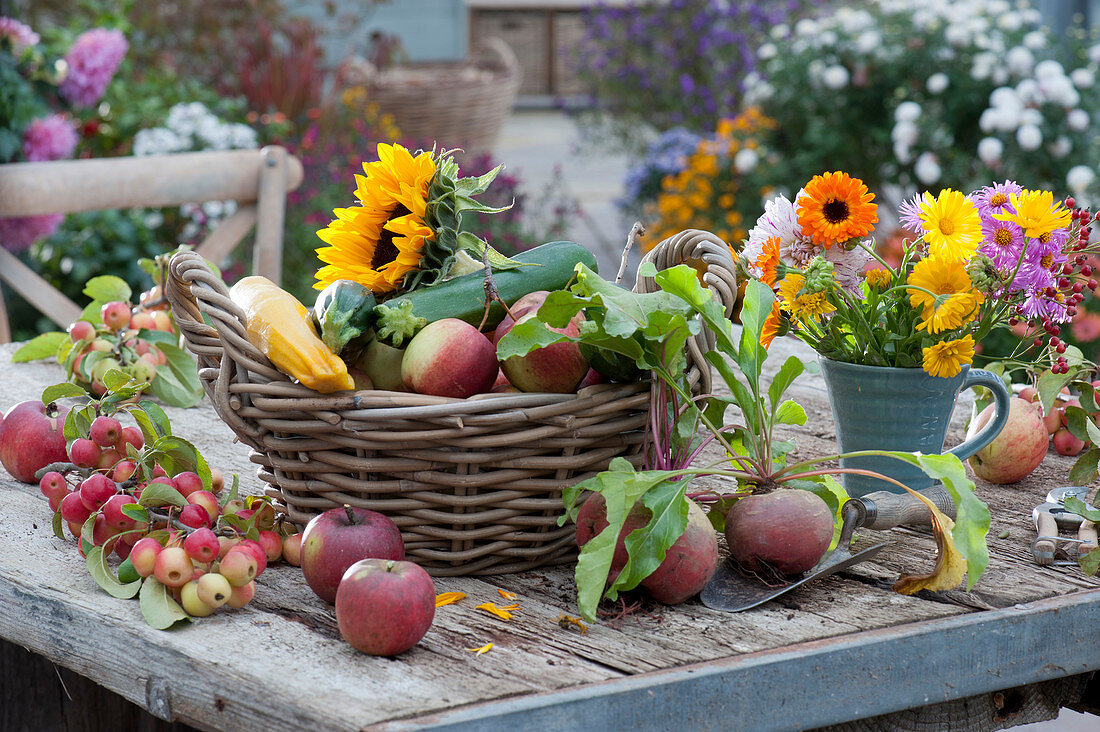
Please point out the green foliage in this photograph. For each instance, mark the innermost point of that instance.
(651, 329)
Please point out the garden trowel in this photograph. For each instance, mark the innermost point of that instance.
(731, 591)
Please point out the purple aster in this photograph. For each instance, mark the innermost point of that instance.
(995, 199)
(909, 214)
(17, 234)
(49, 138)
(1053, 244)
(1037, 305)
(93, 61)
(19, 35)
(1003, 242)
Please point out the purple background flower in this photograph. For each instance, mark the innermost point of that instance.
(49, 138)
(17, 234)
(93, 60)
(18, 34)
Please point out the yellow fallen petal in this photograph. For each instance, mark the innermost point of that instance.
(514, 606)
(448, 598)
(506, 594)
(484, 649)
(950, 564)
(492, 609)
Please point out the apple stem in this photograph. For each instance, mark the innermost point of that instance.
(390, 565)
(350, 513)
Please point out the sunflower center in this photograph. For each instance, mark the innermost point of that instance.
(386, 251)
(1003, 238)
(835, 211)
(998, 199)
(946, 226)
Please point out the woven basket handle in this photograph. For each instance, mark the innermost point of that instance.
(224, 353)
(708, 253)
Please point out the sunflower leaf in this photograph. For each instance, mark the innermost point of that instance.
(473, 243)
(474, 185)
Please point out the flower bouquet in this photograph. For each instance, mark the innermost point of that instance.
(998, 257)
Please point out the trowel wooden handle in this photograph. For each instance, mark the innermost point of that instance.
(886, 510)
(1087, 534)
(1044, 546)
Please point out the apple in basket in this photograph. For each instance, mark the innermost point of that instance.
(557, 368)
(384, 607)
(340, 537)
(449, 358)
(31, 438)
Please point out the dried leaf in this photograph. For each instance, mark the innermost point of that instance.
(492, 609)
(484, 649)
(448, 598)
(506, 594)
(950, 564)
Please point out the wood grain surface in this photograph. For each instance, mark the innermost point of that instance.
(279, 664)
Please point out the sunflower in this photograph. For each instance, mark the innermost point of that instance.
(1037, 213)
(835, 208)
(768, 261)
(380, 241)
(936, 276)
(946, 359)
(951, 223)
(878, 278)
(809, 305)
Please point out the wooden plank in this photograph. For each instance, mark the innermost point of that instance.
(49, 604)
(70, 186)
(39, 293)
(836, 680)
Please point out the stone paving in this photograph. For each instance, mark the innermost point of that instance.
(534, 143)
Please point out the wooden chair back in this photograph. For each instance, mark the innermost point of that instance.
(258, 180)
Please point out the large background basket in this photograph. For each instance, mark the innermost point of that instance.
(449, 105)
(474, 484)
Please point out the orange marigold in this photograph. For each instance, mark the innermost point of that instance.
(836, 207)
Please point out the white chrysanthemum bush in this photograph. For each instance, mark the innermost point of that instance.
(933, 94)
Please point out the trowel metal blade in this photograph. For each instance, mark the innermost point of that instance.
(731, 592)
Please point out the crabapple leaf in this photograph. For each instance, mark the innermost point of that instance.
(108, 288)
(105, 578)
(39, 347)
(157, 606)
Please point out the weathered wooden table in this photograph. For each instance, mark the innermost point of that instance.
(844, 648)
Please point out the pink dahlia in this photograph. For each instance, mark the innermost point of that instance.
(17, 234)
(49, 138)
(18, 34)
(93, 61)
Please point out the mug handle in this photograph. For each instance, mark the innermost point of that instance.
(986, 435)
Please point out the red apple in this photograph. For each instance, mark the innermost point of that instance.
(530, 302)
(81, 330)
(292, 549)
(384, 607)
(557, 368)
(1066, 444)
(115, 315)
(31, 438)
(449, 358)
(338, 538)
(1017, 450)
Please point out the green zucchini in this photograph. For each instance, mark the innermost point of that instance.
(343, 312)
(550, 267)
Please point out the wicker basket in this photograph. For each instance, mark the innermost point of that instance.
(474, 484)
(448, 105)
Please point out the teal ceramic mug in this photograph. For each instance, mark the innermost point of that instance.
(887, 408)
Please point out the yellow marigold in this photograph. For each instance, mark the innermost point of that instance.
(952, 226)
(803, 306)
(836, 208)
(1037, 213)
(936, 275)
(953, 313)
(878, 278)
(946, 359)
